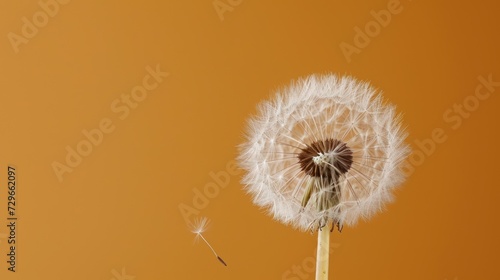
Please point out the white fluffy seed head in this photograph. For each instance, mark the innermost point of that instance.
(336, 188)
(199, 225)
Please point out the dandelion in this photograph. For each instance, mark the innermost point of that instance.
(198, 227)
(325, 152)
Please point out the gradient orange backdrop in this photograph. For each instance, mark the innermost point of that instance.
(116, 215)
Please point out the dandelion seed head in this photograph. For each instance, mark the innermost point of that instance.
(199, 225)
(324, 149)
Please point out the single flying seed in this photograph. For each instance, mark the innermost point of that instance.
(198, 227)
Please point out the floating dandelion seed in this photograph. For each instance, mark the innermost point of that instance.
(325, 151)
(198, 227)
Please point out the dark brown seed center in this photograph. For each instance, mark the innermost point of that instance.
(327, 159)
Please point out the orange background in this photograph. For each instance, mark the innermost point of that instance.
(119, 208)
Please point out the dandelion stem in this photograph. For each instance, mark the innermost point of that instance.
(211, 248)
(322, 253)
(208, 244)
